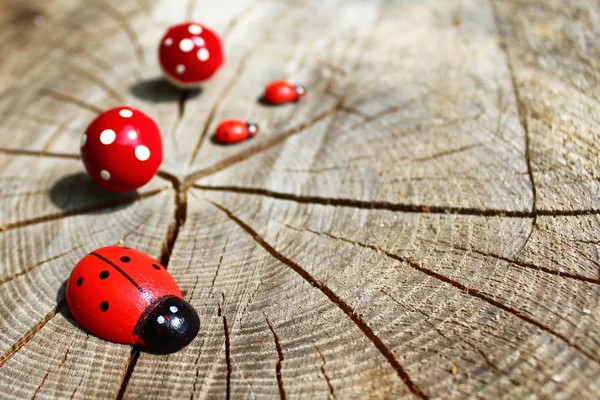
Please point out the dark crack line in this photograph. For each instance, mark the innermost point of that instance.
(531, 266)
(521, 110)
(76, 388)
(212, 285)
(70, 99)
(37, 390)
(401, 207)
(34, 153)
(280, 358)
(465, 289)
(260, 148)
(30, 334)
(227, 349)
(329, 385)
(131, 363)
(80, 211)
(173, 232)
(446, 153)
(334, 298)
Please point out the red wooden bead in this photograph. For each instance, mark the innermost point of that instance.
(190, 53)
(235, 130)
(122, 149)
(125, 296)
(279, 92)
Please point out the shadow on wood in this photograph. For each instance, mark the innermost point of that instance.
(159, 90)
(78, 190)
(64, 310)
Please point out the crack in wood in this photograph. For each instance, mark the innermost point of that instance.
(237, 19)
(59, 131)
(251, 299)
(36, 265)
(93, 79)
(329, 385)
(184, 95)
(124, 22)
(30, 334)
(80, 211)
(227, 348)
(476, 293)
(37, 390)
(212, 285)
(521, 111)
(180, 216)
(76, 388)
(333, 297)
(266, 145)
(131, 363)
(132, 230)
(173, 232)
(280, 358)
(531, 266)
(38, 153)
(446, 153)
(401, 207)
(70, 99)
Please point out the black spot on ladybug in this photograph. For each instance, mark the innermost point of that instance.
(79, 281)
(156, 266)
(104, 274)
(125, 259)
(104, 306)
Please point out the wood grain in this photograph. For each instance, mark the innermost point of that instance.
(424, 224)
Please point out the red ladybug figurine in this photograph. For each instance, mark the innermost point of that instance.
(122, 149)
(125, 296)
(190, 53)
(280, 92)
(235, 130)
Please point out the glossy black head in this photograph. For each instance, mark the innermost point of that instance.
(169, 326)
(300, 91)
(252, 128)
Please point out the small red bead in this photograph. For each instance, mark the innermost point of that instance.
(235, 130)
(122, 149)
(280, 92)
(190, 53)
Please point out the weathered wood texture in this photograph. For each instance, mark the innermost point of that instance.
(424, 224)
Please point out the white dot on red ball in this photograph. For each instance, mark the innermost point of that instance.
(83, 139)
(186, 45)
(203, 54)
(125, 113)
(107, 136)
(132, 135)
(168, 41)
(104, 174)
(199, 41)
(195, 29)
(180, 69)
(142, 153)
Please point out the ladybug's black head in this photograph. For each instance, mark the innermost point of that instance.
(252, 128)
(300, 91)
(169, 326)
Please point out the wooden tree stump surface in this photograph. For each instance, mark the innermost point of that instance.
(424, 224)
